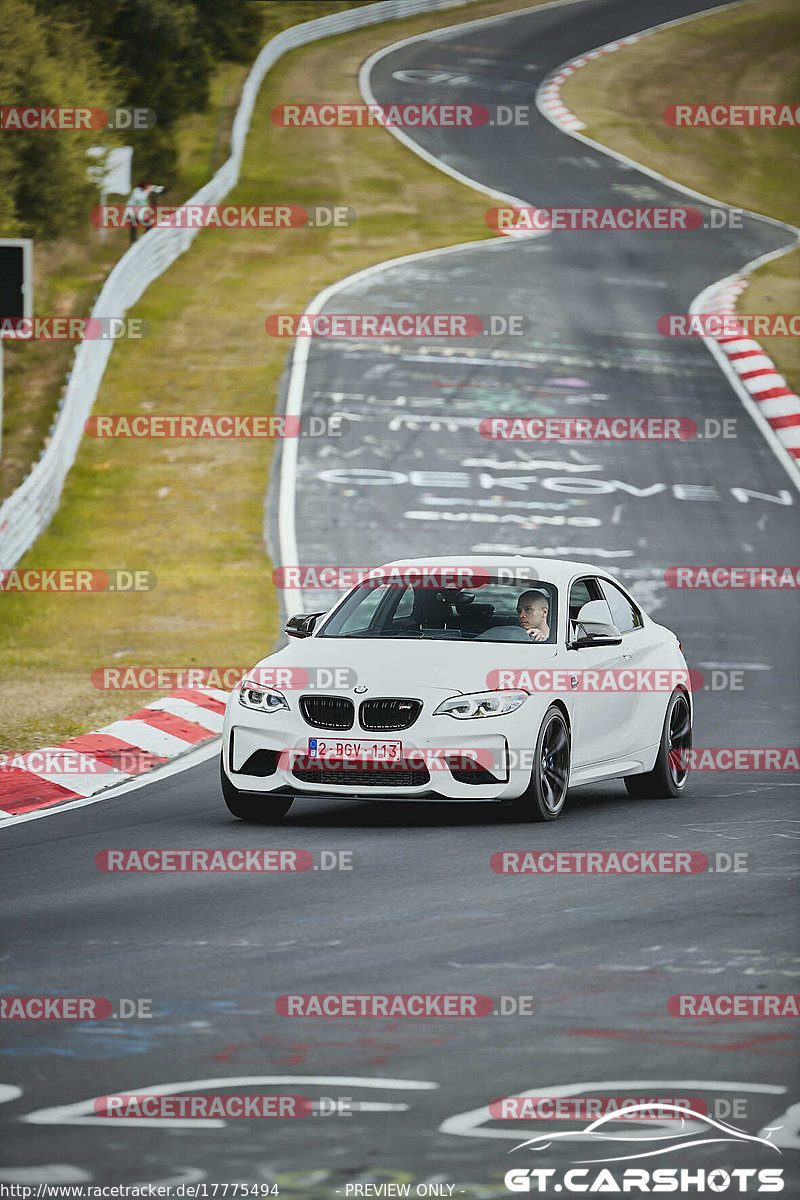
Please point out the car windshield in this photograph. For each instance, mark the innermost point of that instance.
(496, 611)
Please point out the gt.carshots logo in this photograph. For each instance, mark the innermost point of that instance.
(546, 220)
(638, 1179)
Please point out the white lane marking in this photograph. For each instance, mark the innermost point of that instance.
(190, 758)
(145, 737)
(9, 1092)
(46, 1173)
(190, 712)
(472, 1123)
(82, 1113)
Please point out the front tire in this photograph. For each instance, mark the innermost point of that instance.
(668, 777)
(546, 794)
(249, 807)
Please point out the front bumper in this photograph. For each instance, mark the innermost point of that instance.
(252, 758)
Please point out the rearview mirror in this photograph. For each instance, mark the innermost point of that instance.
(595, 626)
(301, 625)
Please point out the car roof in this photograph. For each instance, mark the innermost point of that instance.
(553, 570)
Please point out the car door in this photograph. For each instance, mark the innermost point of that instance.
(641, 653)
(603, 719)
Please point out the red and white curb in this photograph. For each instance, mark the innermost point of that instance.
(777, 402)
(162, 730)
(550, 94)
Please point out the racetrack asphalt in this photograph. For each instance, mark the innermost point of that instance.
(421, 910)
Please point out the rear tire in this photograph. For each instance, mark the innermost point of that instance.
(668, 777)
(546, 794)
(250, 807)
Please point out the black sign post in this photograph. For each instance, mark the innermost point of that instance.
(16, 292)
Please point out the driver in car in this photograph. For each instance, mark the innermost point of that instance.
(532, 609)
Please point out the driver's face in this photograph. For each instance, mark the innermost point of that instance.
(532, 614)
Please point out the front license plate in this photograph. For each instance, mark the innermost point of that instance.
(361, 751)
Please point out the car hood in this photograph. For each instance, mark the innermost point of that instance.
(407, 667)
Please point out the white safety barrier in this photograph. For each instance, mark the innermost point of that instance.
(29, 509)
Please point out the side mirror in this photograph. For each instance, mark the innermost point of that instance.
(597, 628)
(301, 625)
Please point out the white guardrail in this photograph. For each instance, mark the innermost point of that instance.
(29, 510)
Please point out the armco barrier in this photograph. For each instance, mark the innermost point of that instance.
(29, 509)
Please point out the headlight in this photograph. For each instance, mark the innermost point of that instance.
(261, 698)
(481, 704)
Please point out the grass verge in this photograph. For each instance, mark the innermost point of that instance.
(192, 510)
(745, 56)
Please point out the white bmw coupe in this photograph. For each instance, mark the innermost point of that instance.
(497, 679)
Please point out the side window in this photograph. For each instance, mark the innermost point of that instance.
(581, 592)
(406, 605)
(624, 612)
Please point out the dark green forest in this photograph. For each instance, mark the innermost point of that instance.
(156, 54)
